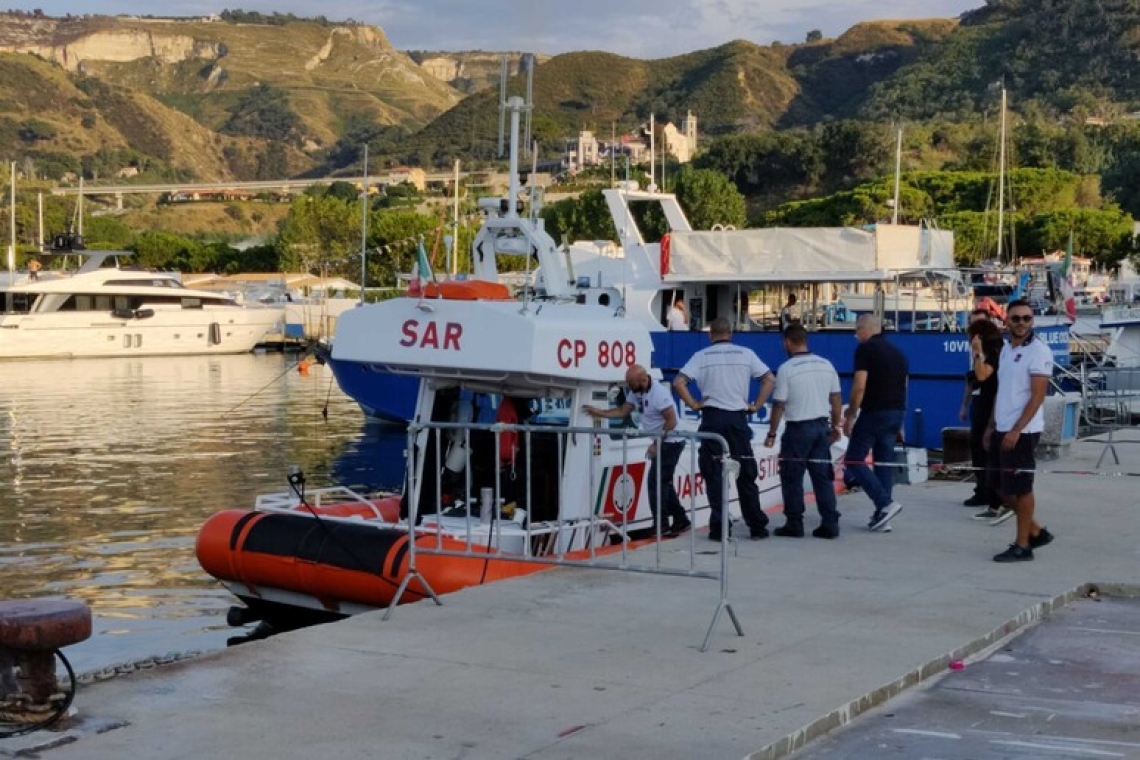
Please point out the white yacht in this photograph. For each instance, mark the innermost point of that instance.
(116, 311)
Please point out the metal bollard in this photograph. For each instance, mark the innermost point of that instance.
(30, 633)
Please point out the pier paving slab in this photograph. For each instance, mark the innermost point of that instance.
(590, 663)
(1068, 688)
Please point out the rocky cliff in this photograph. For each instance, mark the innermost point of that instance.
(71, 42)
(470, 71)
(192, 56)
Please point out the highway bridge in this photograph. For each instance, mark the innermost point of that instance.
(260, 186)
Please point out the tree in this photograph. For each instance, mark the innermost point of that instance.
(263, 111)
(1105, 234)
(852, 152)
(321, 235)
(108, 233)
(586, 217)
(1122, 180)
(345, 191)
(709, 198)
(392, 238)
(814, 36)
(165, 250)
(33, 130)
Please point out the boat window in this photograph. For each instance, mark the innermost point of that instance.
(20, 303)
(191, 303)
(85, 302)
(156, 283)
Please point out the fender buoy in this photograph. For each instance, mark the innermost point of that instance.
(665, 245)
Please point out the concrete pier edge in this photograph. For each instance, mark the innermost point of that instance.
(1017, 625)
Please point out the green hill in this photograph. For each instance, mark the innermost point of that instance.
(1063, 55)
(250, 95)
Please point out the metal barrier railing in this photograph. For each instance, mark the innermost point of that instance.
(575, 535)
(1109, 397)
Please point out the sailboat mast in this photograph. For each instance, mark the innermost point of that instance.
(364, 203)
(898, 171)
(12, 222)
(652, 157)
(79, 207)
(1001, 178)
(451, 270)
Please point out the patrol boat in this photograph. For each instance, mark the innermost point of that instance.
(482, 501)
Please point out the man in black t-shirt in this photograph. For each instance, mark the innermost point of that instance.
(878, 398)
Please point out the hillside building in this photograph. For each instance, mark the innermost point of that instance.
(407, 175)
(586, 150)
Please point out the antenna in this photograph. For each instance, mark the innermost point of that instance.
(516, 106)
(79, 207)
(503, 63)
(535, 203)
(528, 62)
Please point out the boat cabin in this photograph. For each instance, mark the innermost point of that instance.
(904, 273)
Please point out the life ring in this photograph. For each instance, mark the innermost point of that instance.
(992, 307)
(467, 290)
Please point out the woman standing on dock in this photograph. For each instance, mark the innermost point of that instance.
(985, 352)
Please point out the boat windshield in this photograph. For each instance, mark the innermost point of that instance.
(157, 282)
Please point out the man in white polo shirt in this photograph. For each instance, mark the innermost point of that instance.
(1024, 370)
(808, 399)
(658, 418)
(724, 373)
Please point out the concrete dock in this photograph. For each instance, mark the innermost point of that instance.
(577, 663)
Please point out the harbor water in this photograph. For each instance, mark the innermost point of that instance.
(109, 466)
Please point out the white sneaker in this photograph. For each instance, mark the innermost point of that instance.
(1003, 514)
(884, 516)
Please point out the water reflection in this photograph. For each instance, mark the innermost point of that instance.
(108, 467)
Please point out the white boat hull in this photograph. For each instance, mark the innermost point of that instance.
(170, 331)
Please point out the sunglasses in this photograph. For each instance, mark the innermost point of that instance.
(1020, 318)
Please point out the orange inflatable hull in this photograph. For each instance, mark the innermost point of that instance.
(336, 562)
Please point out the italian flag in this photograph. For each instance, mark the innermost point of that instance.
(421, 270)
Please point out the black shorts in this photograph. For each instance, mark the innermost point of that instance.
(1012, 471)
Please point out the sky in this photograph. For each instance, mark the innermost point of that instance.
(634, 28)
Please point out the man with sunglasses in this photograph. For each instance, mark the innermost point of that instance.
(1024, 370)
